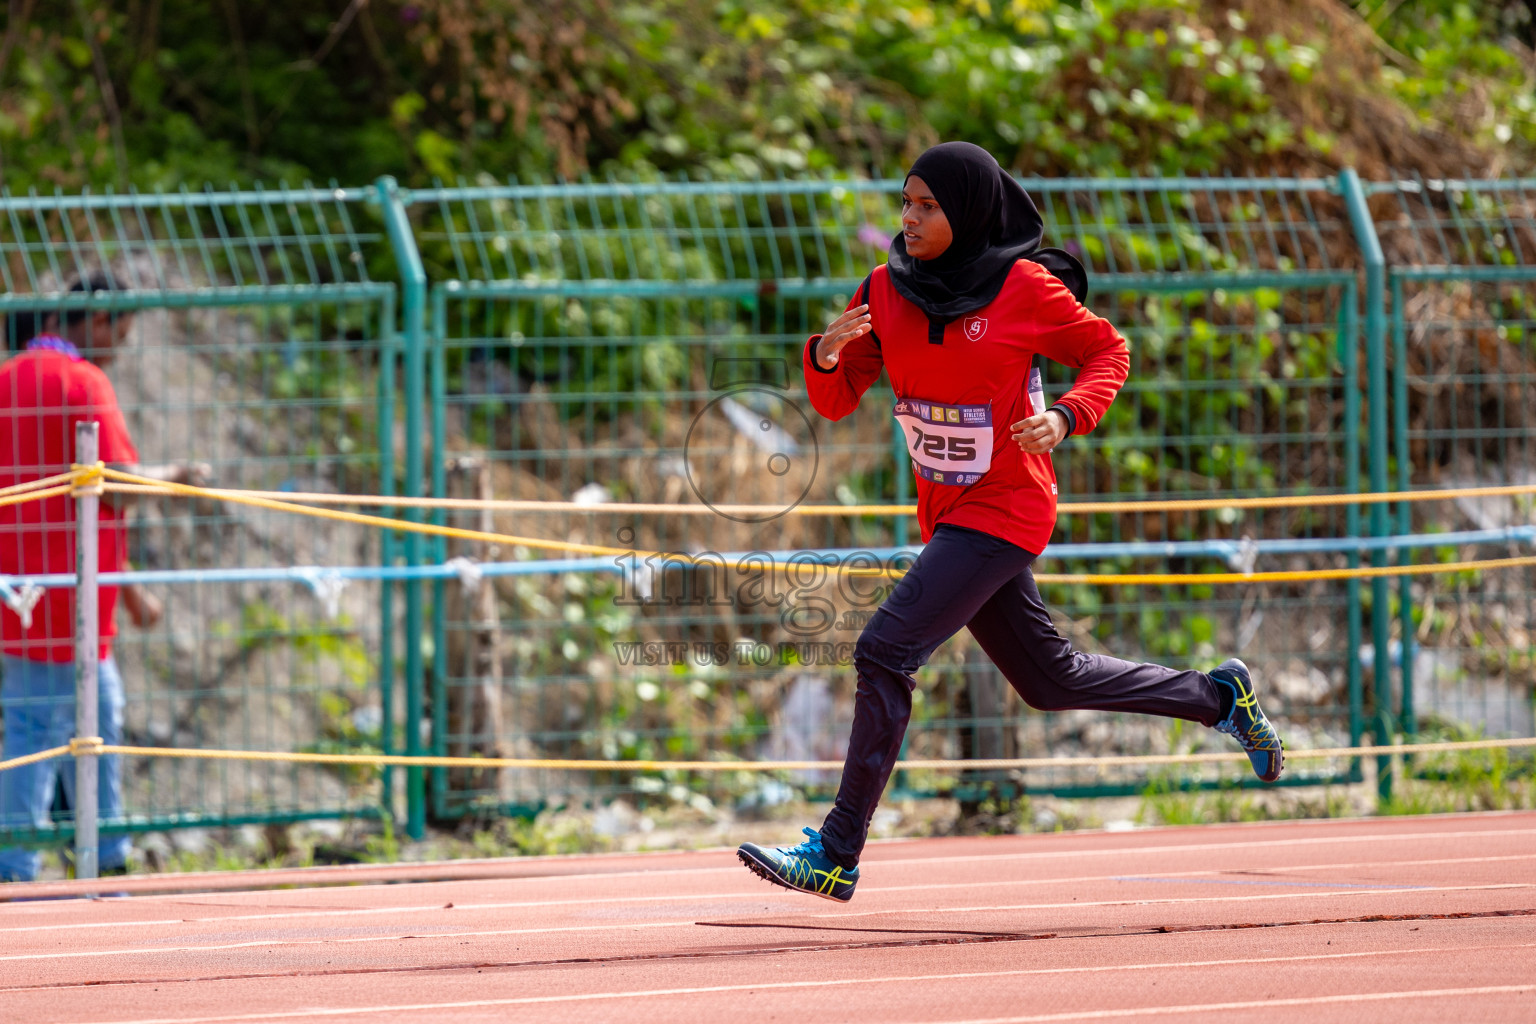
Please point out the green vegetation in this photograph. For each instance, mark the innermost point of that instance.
(1466, 780)
(1472, 780)
(1166, 802)
(161, 93)
(176, 93)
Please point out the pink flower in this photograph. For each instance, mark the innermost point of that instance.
(871, 235)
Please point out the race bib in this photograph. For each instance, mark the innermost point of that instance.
(949, 444)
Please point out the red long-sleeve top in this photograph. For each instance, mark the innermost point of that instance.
(980, 361)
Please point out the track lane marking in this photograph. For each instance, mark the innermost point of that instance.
(1433, 861)
(692, 922)
(1193, 876)
(78, 954)
(722, 955)
(1275, 884)
(837, 982)
(1211, 847)
(1260, 1004)
(654, 873)
(1310, 894)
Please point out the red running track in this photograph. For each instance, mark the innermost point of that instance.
(1401, 919)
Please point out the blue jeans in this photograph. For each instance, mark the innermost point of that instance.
(38, 701)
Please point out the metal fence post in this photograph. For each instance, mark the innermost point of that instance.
(439, 384)
(1349, 353)
(87, 650)
(1376, 443)
(413, 287)
(390, 344)
(1408, 716)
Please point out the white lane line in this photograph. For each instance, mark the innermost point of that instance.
(1277, 873)
(99, 924)
(1261, 844)
(1259, 1004)
(840, 982)
(693, 921)
(285, 916)
(1378, 864)
(349, 941)
(1309, 894)
(654, 874)
(272, 943)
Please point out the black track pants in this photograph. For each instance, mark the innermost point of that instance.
(968, 578)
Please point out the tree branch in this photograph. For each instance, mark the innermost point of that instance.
(1388, 51)
(108, 93)
(338, 28)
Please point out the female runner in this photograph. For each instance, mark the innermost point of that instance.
(956, 317)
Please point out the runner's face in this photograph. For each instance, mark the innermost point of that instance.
(923, 223)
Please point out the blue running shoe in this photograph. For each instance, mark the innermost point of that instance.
(1247, 722)
(806, 868)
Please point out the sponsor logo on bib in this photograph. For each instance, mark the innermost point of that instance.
(974, 327)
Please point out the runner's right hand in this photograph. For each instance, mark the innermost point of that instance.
(852, 324)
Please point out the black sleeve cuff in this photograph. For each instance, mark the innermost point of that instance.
(810, 355)
(1069, 414)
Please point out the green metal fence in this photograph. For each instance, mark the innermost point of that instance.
(588, 338)
(1460, 263)
(261, 345)
(639, 341)
(608, 341)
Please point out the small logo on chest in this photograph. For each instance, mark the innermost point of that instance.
(974, 327)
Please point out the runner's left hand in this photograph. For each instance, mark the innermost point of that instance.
(1039, 434)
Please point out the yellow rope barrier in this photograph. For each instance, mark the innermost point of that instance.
(1284, 576)
(240, 498)
(93, 745)
(46, 492)
(530, 505)
(90, 481)
(41, 755)
(573, 547)
(1295, 500)
(47, 481)
(86, 476)
(653, 508)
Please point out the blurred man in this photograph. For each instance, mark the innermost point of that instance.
(55, 382)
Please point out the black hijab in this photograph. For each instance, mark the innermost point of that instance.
(995, 225)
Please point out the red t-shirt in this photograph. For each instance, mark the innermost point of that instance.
(43, 394)
(952, 389)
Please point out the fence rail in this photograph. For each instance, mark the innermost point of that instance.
(589, 346)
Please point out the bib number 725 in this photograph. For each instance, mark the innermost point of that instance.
(937, 446)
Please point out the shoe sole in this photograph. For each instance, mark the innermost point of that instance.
(1255, 690)
(768, 875)
(1278, 771)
